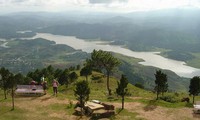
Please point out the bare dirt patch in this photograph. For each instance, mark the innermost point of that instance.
(32, 104)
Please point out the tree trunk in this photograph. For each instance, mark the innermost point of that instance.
(193, 99)
(122, 102)
(82, 105)
(108, 87)
(86, 78)
(157, 92)
(13, 104)
(157, 95)
(5, 94)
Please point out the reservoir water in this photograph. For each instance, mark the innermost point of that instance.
(150, 58)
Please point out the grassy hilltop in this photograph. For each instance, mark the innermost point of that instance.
(139, 104)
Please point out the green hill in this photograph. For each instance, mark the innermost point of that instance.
(144, 75)
(27, 55)
(139, 104)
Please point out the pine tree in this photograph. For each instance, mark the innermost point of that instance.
(85, 71)
(104, 61)
(122, 88)
(82, 92)
(194, 88)
(161, 83)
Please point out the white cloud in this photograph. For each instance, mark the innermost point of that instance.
(114, 5)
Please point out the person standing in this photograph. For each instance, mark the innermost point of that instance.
(55, 87)
(42, 79)
(44, 85)
(33, 83)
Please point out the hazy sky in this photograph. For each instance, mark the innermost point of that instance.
(93, 5)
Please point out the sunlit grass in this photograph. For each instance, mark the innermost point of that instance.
(125, 115)
(62, 107)
(6, 112)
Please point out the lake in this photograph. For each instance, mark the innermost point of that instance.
(150, 58)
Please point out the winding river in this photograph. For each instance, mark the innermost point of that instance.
(150, 58)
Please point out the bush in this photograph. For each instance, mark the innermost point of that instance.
(171, 99)
(96, 77)
(139, 85)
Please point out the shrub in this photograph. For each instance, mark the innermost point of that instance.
(169, 98)
(96, 77)
(139, 85)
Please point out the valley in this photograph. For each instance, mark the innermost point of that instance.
(142, 32)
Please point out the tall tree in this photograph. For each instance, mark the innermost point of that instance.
(161, 82)
(11, 83)
(57, 73)
(73, 76)
(104, 61)
(194, 88)
(5, 75)
(85, 71)
(64, 77)
(78, 67)
(20, 78)
(122, 88)
(82, 92)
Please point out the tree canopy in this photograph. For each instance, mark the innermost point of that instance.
(104, 61)
(194, 88)
(5, 73)
(122, 88)
(85, 71)
(82, 92)
(161, 82)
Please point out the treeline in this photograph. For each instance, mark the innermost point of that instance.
(162, 87)
(9, 79)
(101, 61)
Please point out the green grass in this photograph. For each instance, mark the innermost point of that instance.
(125, 115)
(99, 90)
(179, 104)
(7, 114)
(65, 107)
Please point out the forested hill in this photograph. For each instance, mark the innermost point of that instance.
(175, 29)
(175, 32)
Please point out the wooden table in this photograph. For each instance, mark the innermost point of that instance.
(93, 106)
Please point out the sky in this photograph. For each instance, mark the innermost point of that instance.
(7, 6)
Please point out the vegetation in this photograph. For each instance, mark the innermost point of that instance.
(24, 56)
(103, 60)
(85, 71)
(161, 83)
(62, 107)
(122, 90)
(5, 74)
(194, 86)
(59, 108)
(31, 58)
(82, 92)
(27, 55)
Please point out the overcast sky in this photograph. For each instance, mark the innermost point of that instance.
(93, 5)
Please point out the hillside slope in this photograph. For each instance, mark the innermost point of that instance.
(139, 105)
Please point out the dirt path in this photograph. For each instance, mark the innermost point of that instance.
(153, 113)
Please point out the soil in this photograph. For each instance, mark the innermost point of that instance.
(143, 111)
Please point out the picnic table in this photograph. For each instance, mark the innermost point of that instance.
(29, 90)
(196, 107)
(91, 106)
